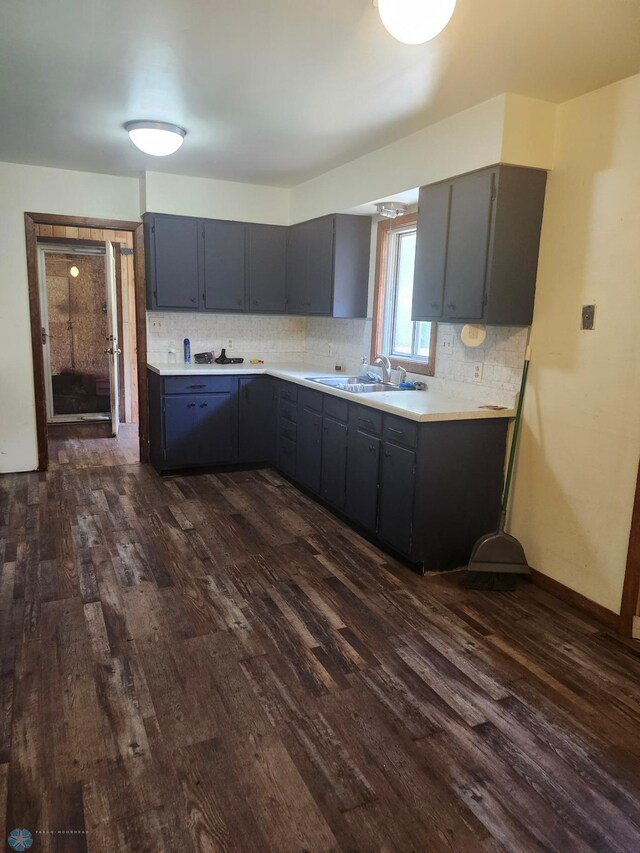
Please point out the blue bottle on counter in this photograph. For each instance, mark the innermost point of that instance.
(187, 351)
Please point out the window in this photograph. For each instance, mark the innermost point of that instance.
(409, 344)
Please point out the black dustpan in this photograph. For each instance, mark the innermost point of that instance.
(500, 553)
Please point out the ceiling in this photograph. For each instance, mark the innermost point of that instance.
(277, 91)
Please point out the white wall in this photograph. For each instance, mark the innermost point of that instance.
(39, 190)
(212, 199)
(581, 441)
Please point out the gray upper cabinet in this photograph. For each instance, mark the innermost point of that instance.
(328, 266)
(320, 267)
(267, 268)
(224, 265)
(477, 245)
(173, 262)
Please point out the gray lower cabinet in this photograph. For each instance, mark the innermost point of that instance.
(426, 491)
(397, 487)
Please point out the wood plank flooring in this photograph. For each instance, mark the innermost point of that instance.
(215, 663)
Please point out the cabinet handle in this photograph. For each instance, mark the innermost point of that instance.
(372, 447)
(387, 453)
(397, 431)
(451, 306)
(436, 305)
(255, 301)
(203, 405)
(193, 299)
(191, 406)
(197, 386)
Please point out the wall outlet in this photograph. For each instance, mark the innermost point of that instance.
(158, 324)
(229, 344)
(446, 344)
(477, 371)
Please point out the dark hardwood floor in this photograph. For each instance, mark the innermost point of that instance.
(214, 662)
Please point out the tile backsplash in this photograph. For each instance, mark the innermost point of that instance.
(269, 338)
(325, 342)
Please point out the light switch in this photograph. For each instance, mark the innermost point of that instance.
(588, 317)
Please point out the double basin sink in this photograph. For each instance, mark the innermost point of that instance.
(353, 384)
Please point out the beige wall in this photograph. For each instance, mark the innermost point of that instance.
(581, 441)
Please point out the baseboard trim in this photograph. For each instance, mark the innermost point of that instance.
(570, 596)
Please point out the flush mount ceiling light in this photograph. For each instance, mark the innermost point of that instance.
(415, 21)
(74, 271)
(391, 209)
(158, 138)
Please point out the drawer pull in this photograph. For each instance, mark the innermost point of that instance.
(203, 405)
(398, 431)
(196, 386)
(191, 405)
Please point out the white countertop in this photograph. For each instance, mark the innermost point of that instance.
(415, 405)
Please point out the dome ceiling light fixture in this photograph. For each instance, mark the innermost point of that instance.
(74, 271)
(415, 21)
(391, 209)
(158, 138)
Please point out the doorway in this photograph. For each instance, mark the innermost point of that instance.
(75, 303)
(88, 330)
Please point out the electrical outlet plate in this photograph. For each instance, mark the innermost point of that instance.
(158, 324)
(588, 317)
(229, 343)
(477, 371)
(446, 344)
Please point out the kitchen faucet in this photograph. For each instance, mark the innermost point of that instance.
(385, 364)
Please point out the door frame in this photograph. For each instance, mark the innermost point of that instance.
(630, 607)
(31, 220)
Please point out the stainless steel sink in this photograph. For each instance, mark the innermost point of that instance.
(353, 384)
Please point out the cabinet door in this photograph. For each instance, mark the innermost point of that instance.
(175, 281)
(257, 414)
(395, 520)
(334, 462)
(431, 252)
(363, 472)
(319, 285)
(224, 265)
(181, 431)
(298, 244)
(468, 245)
(309, 448)
(267, 268)
(218, 428)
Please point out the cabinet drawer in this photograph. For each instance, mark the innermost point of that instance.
(336, 408)
(362, 417)
(289, 391)
(288, 411)
(400, 430)
(288, 430)
(310, 399)
(200, 384)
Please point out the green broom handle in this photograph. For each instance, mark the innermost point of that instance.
(514, 440)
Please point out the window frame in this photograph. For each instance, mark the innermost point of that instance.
(385, 227)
